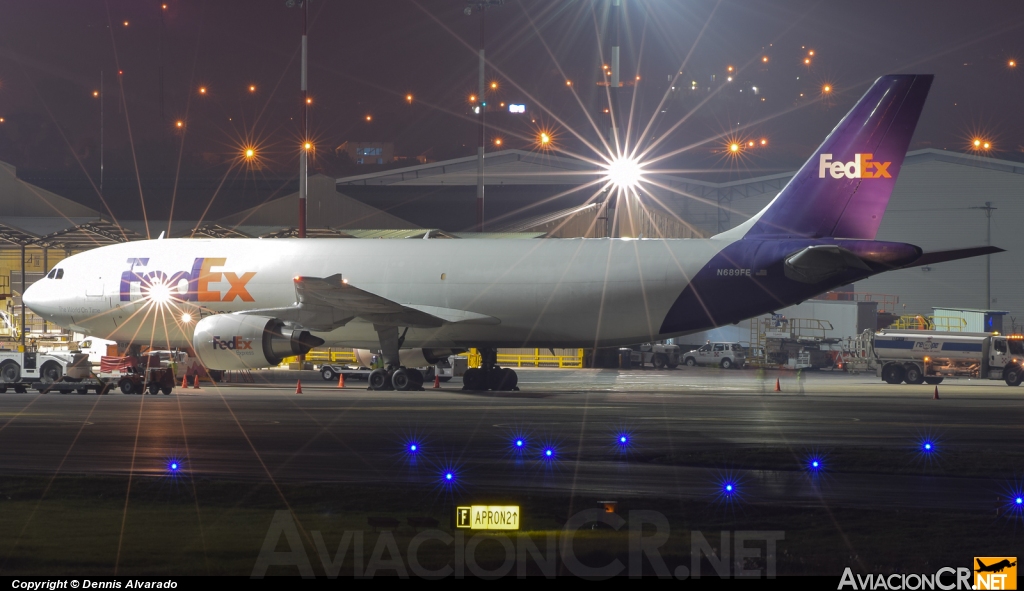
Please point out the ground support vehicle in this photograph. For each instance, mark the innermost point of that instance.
(928, 356)
(331, 371)
(20, 370)
(658, 355)
(445, 370)
(725, 355)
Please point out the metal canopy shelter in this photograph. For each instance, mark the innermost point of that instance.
(215, 231)
(88, 235)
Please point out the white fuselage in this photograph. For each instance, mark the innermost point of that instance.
(551, 292)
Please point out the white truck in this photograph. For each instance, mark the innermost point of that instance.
(928, 356)
(18, 369)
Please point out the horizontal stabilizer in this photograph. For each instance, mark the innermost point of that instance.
(941, 256)
(815, 264)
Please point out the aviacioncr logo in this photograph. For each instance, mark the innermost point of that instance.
(188, 286)
(862, 167)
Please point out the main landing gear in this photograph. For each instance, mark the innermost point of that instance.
(489, 376)
(393, 376)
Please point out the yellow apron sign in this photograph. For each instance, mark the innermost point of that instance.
(487, 517)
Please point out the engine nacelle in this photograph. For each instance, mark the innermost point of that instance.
(239, 341)
(408, 357)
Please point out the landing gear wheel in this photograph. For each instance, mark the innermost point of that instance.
(328, 373)
(50, 372)
(379, 380)
(417, 379)
(20, 390)
(502, 380)
(127, 387)
(104, 389)
(402, 381)
(474, 379)
(82, 390)
(660, 361)
(166, 390)
(892, 374)
(913, 375)
(726, 363)
(3, 388)
(495, 378)
(673, 365)
(933, 381)
(10, 372)
(1013, 376)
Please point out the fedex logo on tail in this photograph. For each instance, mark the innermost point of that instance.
(862, 167)
(198, 281)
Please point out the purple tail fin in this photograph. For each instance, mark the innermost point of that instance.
(843, 189)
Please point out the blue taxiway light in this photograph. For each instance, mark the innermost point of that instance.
(927, 446)
(413, 448)
(728, 488)
(519, 443)
(449, 476)
(623, 439)
(1018, 500)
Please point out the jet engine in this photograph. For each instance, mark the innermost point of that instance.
(239, 341)
(408, 357)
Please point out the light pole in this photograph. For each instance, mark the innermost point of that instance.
(481, 6)
(613, 111)
(303, 120)
(988, 209)
(101, 132)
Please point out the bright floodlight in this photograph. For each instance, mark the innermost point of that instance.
(186, 318)
(625, 173)
(159, 293)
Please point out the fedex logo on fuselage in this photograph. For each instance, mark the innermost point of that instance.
(199, 280)
(862, 167)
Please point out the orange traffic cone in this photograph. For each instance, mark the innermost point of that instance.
(936, 395)
(184, 382)
(778, 386)
(298, 387)
(437, 381)
(195, 381)
(341, 380)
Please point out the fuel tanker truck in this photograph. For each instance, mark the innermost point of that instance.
(928, 356)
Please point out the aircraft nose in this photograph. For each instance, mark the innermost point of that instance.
(40, 299)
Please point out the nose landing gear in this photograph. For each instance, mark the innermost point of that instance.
(489, 376)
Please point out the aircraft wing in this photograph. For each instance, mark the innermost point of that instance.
(326, 303)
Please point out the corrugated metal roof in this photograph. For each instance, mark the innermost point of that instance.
(497, 235)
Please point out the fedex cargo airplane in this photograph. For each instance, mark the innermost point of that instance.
(247, 303)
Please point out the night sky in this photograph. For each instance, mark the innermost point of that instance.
(367, 56)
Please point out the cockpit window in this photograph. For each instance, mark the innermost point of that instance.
(60, 274)
(51, 274)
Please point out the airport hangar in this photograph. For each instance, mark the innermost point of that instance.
(939, 203)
